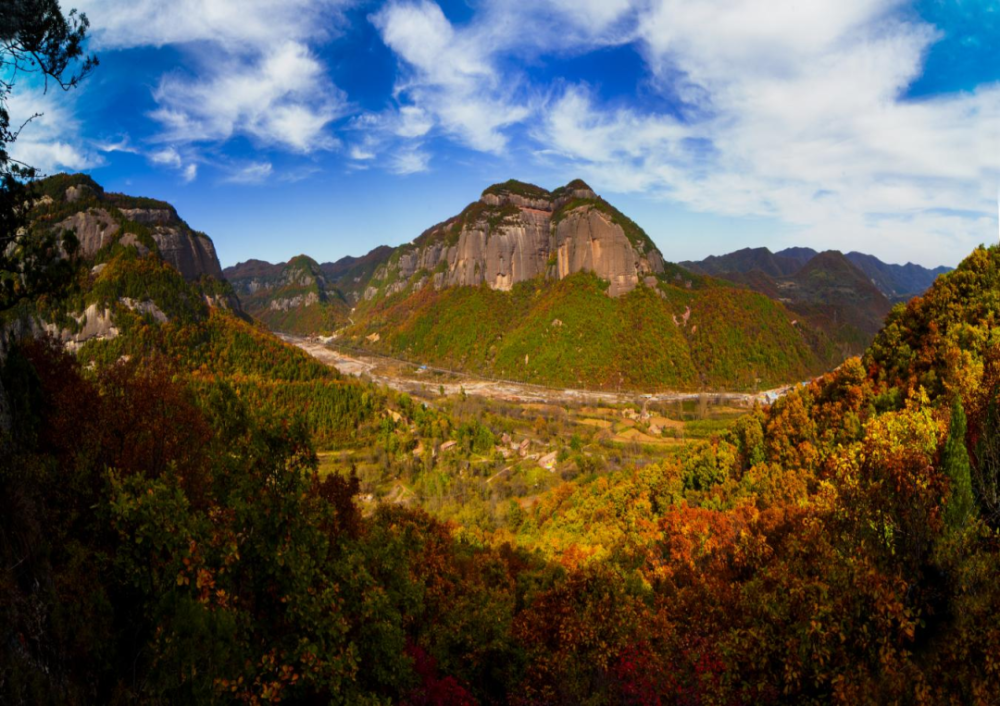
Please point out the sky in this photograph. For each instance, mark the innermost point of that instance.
(329, 127)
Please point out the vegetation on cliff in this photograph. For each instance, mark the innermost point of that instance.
(570, 333)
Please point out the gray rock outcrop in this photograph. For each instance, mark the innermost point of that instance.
(99, 223)
(515, 233)
(191, 254)
(94, 228)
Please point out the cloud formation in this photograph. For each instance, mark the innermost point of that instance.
(448, 78)
(250, 68)
(51, 141)
(794, 111)
(280, 98)
(789, 110)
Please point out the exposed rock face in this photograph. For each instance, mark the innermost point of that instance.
(95, 323)
(94, 228)
(517, 232)
(101, 217)
(299, 300)
(589, 240)
(191, 254)
(150, 216)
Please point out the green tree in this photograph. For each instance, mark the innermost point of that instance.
(955, 464)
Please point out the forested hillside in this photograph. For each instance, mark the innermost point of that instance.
(570, 333)
(512, 287)
(847, 297)
(296, 297)
(560, 288)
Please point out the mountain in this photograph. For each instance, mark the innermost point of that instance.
(516, 232)
(302, 296)
(897, 282)
(102, 222)
(294, 297)
(509, 286)
(845, 296)
(746, 260)
(163, 483)
(559, 287)
(140, 285)
(800, 255)
(351, 274)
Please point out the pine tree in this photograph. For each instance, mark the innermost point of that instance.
(955, 464)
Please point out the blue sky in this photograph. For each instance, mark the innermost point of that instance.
(332, 126)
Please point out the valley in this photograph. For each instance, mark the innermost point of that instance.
(418, 378)
(562, 290)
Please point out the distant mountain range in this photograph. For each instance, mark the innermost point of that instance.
(847, 296)
(302, 295)
(896, 282)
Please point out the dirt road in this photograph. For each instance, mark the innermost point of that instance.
(424, 380)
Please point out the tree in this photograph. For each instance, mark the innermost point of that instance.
(988, 462)
(35, 39)
(955, 464)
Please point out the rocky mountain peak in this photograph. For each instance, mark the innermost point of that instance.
(518, 231)
(524, 195)
(303, 271)
(101, 220)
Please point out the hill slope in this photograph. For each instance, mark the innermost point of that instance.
(897, 282)
(154, 293)
(845, 296)
(295, 297)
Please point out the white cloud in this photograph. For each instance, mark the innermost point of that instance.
(789, 110)
(384, 137)
(51, 141)
(449, 79)
(255, 73)
(596, 17)
(410, 160)
(282, 98)
(122, 145)
(171, 158)
(168, 157)
(361, 153)
(796, 111)
(251, 173)
(235, 25)
(413, 122)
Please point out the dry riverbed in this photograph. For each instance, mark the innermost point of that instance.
(404, 376)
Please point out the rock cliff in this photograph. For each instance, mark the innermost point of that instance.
(517, 232)
(100, 220)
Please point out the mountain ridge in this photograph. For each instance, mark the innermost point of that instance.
(896, 282)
